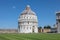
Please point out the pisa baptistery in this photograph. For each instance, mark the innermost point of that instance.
(27, 21)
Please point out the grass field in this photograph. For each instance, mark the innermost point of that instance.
(39, 36)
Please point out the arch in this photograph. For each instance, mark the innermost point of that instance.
(33, 29)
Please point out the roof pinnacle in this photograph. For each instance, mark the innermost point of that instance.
(28, 7)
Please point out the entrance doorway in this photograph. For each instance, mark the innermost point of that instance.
(33, 29)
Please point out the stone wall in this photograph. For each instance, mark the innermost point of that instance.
(8, 31)
(46, 30)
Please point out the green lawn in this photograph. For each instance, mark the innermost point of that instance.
(39, 36)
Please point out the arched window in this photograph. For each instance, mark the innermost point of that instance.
(27, 17)
(27, 27)
(28, 22)
(33, 28)
(30, 27)
(30, 17)
(24, 17)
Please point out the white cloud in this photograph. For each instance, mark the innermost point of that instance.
(13, 7)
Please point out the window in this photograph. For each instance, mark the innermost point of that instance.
(30, 17)
(18, 27)
(27, 27)
(59, 21)
(58, 16)
(27, 17)
(28, 22)
(24, 17)
(30, 27)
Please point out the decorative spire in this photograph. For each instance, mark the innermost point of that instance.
(28, 7)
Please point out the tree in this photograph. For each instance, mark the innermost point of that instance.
(40, 27)
(45, 27)
(49, 27)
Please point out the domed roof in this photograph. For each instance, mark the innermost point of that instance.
(28, 11)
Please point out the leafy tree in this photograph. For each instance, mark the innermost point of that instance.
(40, 27)
(49, 27)
(45, 27)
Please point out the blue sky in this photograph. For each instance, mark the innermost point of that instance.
(44, 9)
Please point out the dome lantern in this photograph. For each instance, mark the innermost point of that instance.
(27, 7)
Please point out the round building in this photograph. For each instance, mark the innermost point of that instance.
(27, 21)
